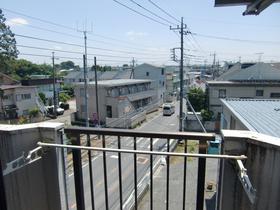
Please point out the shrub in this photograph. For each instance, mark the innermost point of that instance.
(206, 114)
(33, 112)
(64, 97)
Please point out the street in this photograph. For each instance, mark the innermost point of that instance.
(157, 124)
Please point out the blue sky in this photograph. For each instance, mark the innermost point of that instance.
(139, 37)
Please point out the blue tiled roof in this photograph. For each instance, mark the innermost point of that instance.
(260, 115)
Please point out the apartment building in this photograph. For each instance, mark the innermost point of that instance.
(156, 75)
(117, 98)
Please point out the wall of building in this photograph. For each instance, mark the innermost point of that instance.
(215, 104)
(34, 186)
(120, 105)
(155, 74)
(230, 121)
(24, 105)
(262, 166)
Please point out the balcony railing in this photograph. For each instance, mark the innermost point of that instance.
(169, 139)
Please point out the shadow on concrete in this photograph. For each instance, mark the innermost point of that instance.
(211, 202)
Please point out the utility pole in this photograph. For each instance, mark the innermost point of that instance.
(96, 91)
(182, 33)
(132, 69)
(214, 63)
(87, 117)
(54, 90)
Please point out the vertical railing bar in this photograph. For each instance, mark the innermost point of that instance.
(3, 198)
(185, 174)
(151, 175)
(167, 175)
(105, 173)
(63, 151)
(90, 173)
(120, 172)
(135, 175)
(201, 176)
(78, 175)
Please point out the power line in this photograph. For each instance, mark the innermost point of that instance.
(75, 52)
(164, 11)
(70, 58)
(78, 45)
(64, 26)
(139, 13)
(139, 5)
(235, 39)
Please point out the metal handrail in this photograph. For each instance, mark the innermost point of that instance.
(76, 130)
(234, 157)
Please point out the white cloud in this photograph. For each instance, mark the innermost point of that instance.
(132, 35)
(17, 21)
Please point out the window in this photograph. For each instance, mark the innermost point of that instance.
(25, 96)
(162, 71)
(274, 95)
(147, 73)
(259, 92)
(8, 97)
(222, 93)
(109, 111)
(18, 97)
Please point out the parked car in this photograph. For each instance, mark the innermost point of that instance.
(168, 109)
(59, 111)
(64, 106)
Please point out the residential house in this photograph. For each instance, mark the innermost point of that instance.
(44, 85)
(78, 76)
(157, 75)
(117, 99)
(248, 80)
(16, 100)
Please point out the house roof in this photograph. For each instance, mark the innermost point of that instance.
(258, 71)
(6, 87)
(118, 82)
(259, 115)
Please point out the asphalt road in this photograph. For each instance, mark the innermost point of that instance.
(157, 124)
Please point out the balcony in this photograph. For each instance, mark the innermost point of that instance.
(114, 169)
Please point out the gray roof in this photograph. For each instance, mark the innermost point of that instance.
(260, 115)
(80, 75)
(118, 82)
(123, 74)
(107, 75)
(258, 71)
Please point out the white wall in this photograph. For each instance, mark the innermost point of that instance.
(155, 74)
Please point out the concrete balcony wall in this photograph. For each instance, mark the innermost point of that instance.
(262, 166)
(36, 185)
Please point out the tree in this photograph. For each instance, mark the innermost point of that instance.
(67, 65)
(197, 98)
(8, 48)
(63, 97)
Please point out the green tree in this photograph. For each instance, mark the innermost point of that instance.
(67, 65)
(8, 48)
(63, 97)
(206, 114)
(197, 98)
